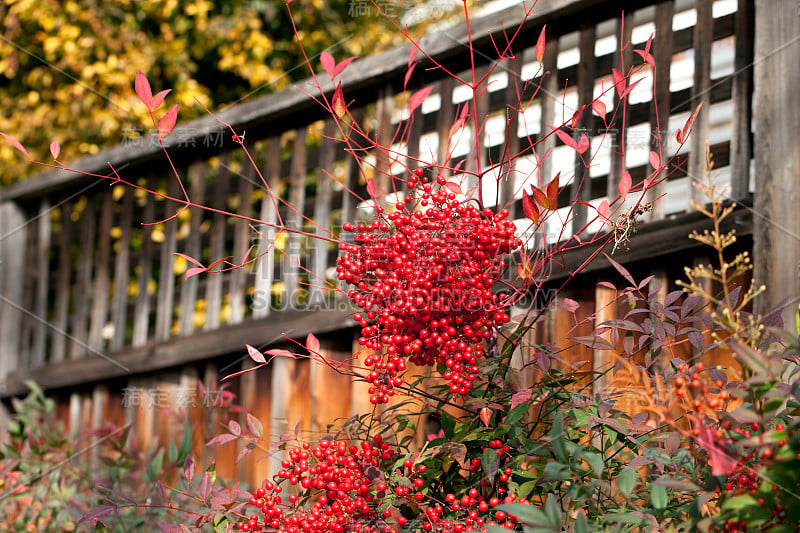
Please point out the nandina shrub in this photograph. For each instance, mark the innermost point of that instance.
(436, 273)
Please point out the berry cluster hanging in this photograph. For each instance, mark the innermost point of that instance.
(423, 276)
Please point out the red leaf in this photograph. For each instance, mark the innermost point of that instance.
(193, 272)
(529, 208)
(576, 116)
(328, 63)
(655, 160)
(255, 355)
(540, 197)
(417, 98)
(690, 121)
(619, 82)
(486, 416)
(566, 139)
(631, 87)
(343, 65)
(167, 122)
(679, 136)
(646, 57)
(143, 91)
(337, 103)
(459, 121)
(552, 193)
(625, 184)
(158, 98)
(372, 187)
(453, 187)
(312, 343)
(599, 108)
(16, 144)
(279, 352)
(55, 149)
(190, 259)
(602, 209)
(239, 373)
(722, 463)
(583, 144)
(540, 46)
(521, 396)
(408, 75)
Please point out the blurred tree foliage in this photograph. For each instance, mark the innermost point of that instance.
(67, 66)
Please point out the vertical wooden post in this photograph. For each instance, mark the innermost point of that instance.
(742, 94)
(776, 112)
(703, 36)
(12, 241)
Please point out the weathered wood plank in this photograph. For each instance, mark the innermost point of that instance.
(322, 218)
(325, 380)
(659, 107)
(241, 241)
(80, 323)
(511, 146)
(776, 113)
(581, 183)
(141, 309)
(217, 245)
(703, 29)
(294, 221)
(444, 120)
(618, 137)
(265, 266)
(13, 235)
(742, 94)
(62, 286)
(549, 92)
(197, 177)
(165, 298)
(122, 272)
(99, 312)
(41, 268)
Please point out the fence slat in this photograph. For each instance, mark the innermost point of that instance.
(511, 145)
(13, 235)
(294, 219)
(197, 175)
(322, 217)
(62, 286)
(141, 308)
(214, 282)
(548, 100)
(99, 314)
(80, 328)
(241, 241)
(703, 36)
(324, 380)
(265, 266)
(41, 330)
(122, 272)
(444, 120)
(165, 299)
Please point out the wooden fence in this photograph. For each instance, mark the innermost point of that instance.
(94, 304)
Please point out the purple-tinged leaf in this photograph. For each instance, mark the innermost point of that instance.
(521, 396)
(689, 305)
(205, 486)
(621, 269)
(627, 345)
(593, 341)
(607, 285)
(567, 304)
(234, 427)
(188, 469)
(254, 354)
(255, 426)
(164, 527)
(645, 281)
(672, 297)
(485, 416)
(223, 438)
(95, 513)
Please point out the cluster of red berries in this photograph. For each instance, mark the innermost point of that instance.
(423, 276)
(744, 480)
(337, 486)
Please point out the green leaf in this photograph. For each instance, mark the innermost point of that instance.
(153, 469)
(595, 462)
(738, 503)
(557, 438)
(516, 414)
(490, 461)
(553, 512)
(186, 444)
(172, 453)
(448, 424)
(581, 526)
(658, 496)
(626, 480)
